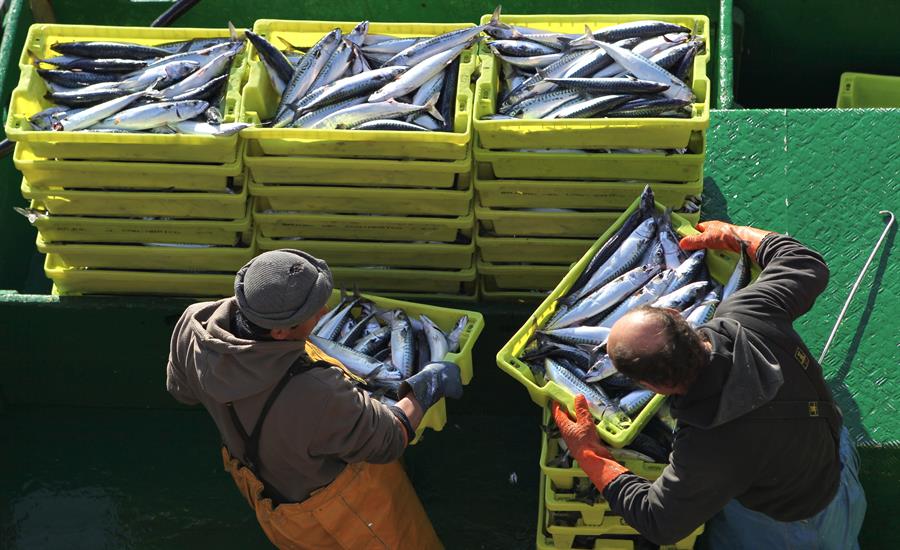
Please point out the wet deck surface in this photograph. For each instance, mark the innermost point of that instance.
(127, 478)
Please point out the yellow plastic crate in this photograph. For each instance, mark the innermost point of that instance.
(601, 195)
(525, 223)
(532, 250)
(521, 276)
(69, 280)
(720, 264)
(43, 173)
(124, 203)
(390, 254)
(406, 280)
(446, 318)
(367, 200)
(260, 102)
(28, 99)
(355, 172)
(357, 227)
(552, 535)
(868, 91)
(512, 164)
(490, 293)
(81, 229)
(590, 133)
(140, 257)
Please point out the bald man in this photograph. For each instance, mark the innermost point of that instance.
(760, 453)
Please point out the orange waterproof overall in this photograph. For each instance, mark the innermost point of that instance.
(367, 506)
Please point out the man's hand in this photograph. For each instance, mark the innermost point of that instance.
(724, 236)
(584, 443)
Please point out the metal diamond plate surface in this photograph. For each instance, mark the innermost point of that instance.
(822, 176)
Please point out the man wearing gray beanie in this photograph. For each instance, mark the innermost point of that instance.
(315, 456)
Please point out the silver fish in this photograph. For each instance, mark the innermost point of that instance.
(623, 259)
(542, 105)
(201, 76)
(418, 75)
(154, 115)
(336, 66)
(635, 401)
(351, 117)
(402, 344)
(646, 295)
(522, 48)
(610, 85)
(359, 364)
(357, 36)
(162, 75)
(600, 404)
(421, 51)
(353, 86)
(602, 369)
(740, 277)
(121, 50)
(456, 334)
(372, 342)
(681, 298)
(532, 62)
(590, 107)
(644, 69)
(329, 329)
(705, 309)
(313, 118)
(92, 115)
(583, 335)
(607, 296)
(308, 69)
(437, 340)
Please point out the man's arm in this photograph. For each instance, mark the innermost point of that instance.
(176, 377)
(697, 484)
(792, 278)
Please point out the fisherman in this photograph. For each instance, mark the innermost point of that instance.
(760, 454)
(314, 455)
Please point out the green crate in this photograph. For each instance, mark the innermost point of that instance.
(391, 254)
(357, 227)
(522, 277)
(28, 99)
(260, 102)
(397, 280)
(861, 90)
(141, 257)
(590, 133)
(83, 229)
(512, 164)
(600, 195)
(525, 223)
(532, 250)
(720, 264)
(367, 200)
(446, 318)
(43, 173)
(130, 203)
(355, 172)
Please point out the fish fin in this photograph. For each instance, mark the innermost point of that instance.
(233, 31)
(430, 107)
(495, 16)
(289, 45)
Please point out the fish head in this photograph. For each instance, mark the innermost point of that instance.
(179, 69)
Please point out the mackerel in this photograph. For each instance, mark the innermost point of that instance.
(610, 85)
(372, 342)
(308, 69)
(90, 116)
(421, 51)
(119, 50)
(359, 364)
(590, 107)
(437, 340)
(635, 401)
(214, 68)
(584, 335)
(276, 62)
(740, 277)
(351, 117)
(601, 406)
(418, 75)
(644, 69)
(647, 295)
(681, 298)
(402, 344)
(154, 115)
(607, 296)
(353, 86)
(456, 334)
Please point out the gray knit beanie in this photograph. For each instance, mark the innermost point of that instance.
(282, 288)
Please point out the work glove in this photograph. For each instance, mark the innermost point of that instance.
(724, 236)
(584, 444)
(435, 380)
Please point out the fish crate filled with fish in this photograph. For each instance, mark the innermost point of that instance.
(89, 229)
(493, 192)
(592, 81)
(567, 530)
(560, 351)
(44, 173)
(361, 89)
(386, 254)
(383, 341)
(356, 172)
(368, 200)
(117, 203)
(684, 165)
(129, 94)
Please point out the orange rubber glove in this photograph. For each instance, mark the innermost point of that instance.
(724, 236)
(584, 444)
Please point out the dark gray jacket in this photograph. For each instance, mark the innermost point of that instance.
(786, 469)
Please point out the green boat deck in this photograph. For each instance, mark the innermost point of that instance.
(97, 455)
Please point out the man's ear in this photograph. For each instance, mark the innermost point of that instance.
(280, 333)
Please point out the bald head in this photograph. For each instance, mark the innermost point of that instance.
(657, 347)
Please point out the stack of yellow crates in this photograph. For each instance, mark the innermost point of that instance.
(133, 213)
(390, 211)
(572, 514)
(546, 188)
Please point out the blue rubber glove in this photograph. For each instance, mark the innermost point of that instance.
(435, 380)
